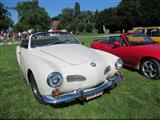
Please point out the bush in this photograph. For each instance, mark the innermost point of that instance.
(89, 27)
(81, 27)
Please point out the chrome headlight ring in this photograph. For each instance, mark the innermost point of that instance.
(119, 64)
(54, 79)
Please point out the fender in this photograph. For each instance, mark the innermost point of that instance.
(41, 69)
(110, 58)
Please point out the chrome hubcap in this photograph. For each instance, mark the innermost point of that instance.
(35, 91)
(149, 69)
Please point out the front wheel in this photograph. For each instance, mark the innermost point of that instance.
(150, 68)
(35, 90)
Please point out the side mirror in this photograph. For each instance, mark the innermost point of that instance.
(116, 44)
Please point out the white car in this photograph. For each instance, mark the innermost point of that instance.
(60, 69)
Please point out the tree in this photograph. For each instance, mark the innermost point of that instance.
(89, 27)
(31, 16)
(73, 19)
(150, 12)
(81, 27)
(67, 16)
(96, 15)
(128, 12)
(5, 20)
(108, 18)
(77, 9)
(87, 16)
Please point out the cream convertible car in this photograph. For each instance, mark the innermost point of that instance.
(60, 69)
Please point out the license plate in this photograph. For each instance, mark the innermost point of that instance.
(94, 95)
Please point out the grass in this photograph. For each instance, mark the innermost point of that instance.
(4, 41)
(135, 97)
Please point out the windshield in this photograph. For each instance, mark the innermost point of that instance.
(136, 39)
(52, 38)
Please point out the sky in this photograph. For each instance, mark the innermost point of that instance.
(54, 7)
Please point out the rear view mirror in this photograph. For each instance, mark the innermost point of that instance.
(116, 44)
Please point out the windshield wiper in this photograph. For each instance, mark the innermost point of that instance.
(55, 42)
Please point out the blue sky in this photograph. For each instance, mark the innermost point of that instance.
(54, 7)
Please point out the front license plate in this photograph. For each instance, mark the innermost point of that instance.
(94, 95)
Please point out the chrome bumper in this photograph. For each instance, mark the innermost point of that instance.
(81, 94)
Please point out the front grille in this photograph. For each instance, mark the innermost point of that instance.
(74, 78)
(108, 68)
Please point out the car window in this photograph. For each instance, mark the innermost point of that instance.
(52, 38)
(119, 39)
(153, 32)
(103, 40)
(24, 43)
(136, 39)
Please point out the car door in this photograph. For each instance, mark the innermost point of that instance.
(122, 50)
(23, 53)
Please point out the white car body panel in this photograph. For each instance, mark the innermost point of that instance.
(68, 59)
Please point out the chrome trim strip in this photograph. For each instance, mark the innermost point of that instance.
(78, 94)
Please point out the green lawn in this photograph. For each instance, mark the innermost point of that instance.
(4, 41)
(135, 97)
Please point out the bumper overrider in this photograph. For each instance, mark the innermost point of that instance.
(81, 94)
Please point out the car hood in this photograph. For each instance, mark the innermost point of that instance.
(71, 53)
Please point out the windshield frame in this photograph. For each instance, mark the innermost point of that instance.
(38, 33)
(129, 42)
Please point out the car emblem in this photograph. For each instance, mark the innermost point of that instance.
(93, 64)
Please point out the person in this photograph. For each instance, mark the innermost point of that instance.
(19, 36)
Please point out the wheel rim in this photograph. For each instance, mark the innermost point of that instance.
(34, 88)
(35, 91)
(149, 69)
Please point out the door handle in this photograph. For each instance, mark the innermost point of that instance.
(19, 52)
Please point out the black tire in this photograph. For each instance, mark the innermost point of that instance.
(35, 90)
(150, 68)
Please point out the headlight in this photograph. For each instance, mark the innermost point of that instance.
(54, 79)
(119, 64)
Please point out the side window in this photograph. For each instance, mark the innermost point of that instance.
(113, 39)
(24, 43)
(154, 32)
(103, 40)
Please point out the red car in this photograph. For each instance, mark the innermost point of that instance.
(137, 50)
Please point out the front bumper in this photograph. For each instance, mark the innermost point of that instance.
(81, 94)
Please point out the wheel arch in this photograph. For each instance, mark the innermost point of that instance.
(156, 61)
(29, 72)
(147, 57)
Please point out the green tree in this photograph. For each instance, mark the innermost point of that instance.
(89, 27)
(108, 18)
(5, 19)
(66, 16)
(77, 9)
(87, 16)
(81, 27)
(73, 19)
(128, 12)
(31, 16)
(150, 12)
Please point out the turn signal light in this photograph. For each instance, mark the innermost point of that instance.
(55, 92)
(118, 73)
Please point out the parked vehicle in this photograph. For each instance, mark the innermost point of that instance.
(137, 50)
(60, 69)
(153, 32)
